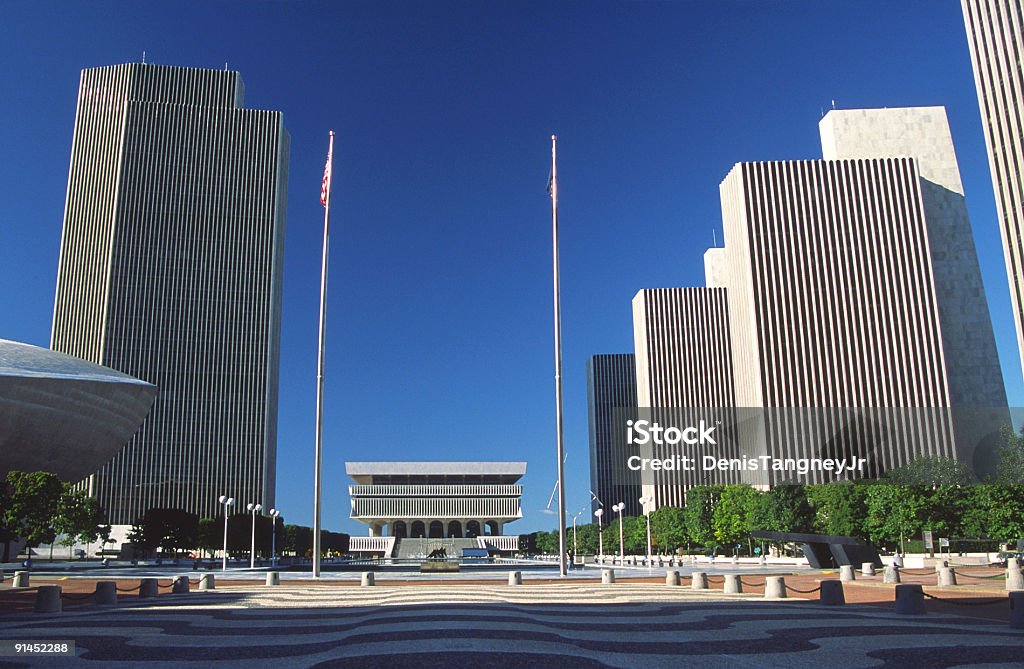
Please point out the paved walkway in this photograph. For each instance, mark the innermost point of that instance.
(556, 625)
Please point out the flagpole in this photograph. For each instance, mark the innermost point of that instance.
(318, 466)
(558, 363)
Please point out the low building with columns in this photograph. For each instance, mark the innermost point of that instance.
(461, 500)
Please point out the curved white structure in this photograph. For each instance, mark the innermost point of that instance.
(62, 414)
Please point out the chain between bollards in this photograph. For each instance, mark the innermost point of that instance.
(954, 601)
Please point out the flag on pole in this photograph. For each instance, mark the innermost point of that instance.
(325, 187)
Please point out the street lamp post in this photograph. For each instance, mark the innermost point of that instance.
(226, 501)
(254, 508)
(600, 532)
(274, 513)
(622, 543)
(645, 501)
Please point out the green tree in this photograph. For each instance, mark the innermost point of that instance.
(729, 517)
(789, 509)
(31, 500)
(547, 543)
(209, 537)
(699, 514)
(170, 529)
(931, 471)
(1003, 514)
(1010, 465)
(668, 528)
(839, 508)
(895, 512)
(80, 518)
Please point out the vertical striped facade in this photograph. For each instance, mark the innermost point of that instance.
(684, 374)
(170, 270)
(830, 265)
(611, 394)
(995, 37)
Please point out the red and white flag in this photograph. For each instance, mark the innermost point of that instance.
(325, 187)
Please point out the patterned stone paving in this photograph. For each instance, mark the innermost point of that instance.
(558, 626)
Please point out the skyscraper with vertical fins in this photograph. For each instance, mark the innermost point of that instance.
(170, 270)
(995, 36)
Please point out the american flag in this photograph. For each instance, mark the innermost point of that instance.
(326, 185)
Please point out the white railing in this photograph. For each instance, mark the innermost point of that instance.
(435, 490)
(372, 545)
(501, 543)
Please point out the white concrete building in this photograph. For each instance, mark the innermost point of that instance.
(995, 37)
(857, 321)
(436, 499)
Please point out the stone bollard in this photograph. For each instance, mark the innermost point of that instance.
(207, 582)
(762, 561)
(180, 585)
(148, 587)
(515, 578)
(1014, 578)
(846, 573)
(607, 576)
(733, 584)
(909, 599)
(672, 577)
(273, 578)
(946, 577)
(867, 569)
(891, 575)
(48, 599)
(735, 559)
(832, 593)
(106, 593)
(1017, 610)
(774, 587)
(699, 581)
(21, 579)
(367, 579)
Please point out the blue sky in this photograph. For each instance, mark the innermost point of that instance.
(439, 336)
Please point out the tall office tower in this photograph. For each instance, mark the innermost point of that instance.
(853, 282)
(684, 375)
(995, 35)
(170, 270)
(611, 394)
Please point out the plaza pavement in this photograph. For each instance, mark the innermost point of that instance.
(560, 625)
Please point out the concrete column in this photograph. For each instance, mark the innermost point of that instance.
(672, 577)
(946, 577)
(891, 575)
(515, 578)
(909, 599)
(1014, 578)
(181, 585)
(273, 578)
(48, 599)
(106, 593)
(1017, 610)
(846, 573)
(148, 587)
(699, 581)
(733, 584)
(832, 593)
(867, 569)
(774, 587)
(367, 579)
(607, 576)
(206, 582)
(21, 579)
